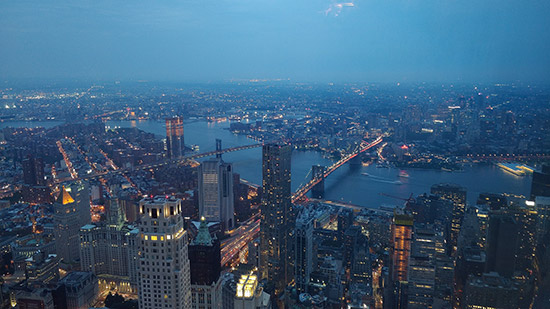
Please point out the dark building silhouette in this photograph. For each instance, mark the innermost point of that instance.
(541, 182)
(502, 238)
(33, 171)
(204, 257)
(495, 201)
(276, 214)
(174, 137)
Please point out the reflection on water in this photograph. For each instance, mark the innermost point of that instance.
(362, 185)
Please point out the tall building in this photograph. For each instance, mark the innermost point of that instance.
(33, 171)
(205, 265)
(422, 268)
(71, 211)
(400, 251)
(175, 146)
(502, 243)
(276, 215)
(540, 186)
(164, 274)
(457, 194)
(109, 250)
(303, 250)
(491, 291)
(249, 294)
(542, 206)
(216, 201)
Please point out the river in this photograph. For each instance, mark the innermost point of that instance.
(348, 183)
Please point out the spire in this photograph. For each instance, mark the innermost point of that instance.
(64, 197)
(203, 236)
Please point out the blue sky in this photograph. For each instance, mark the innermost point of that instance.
(300, 40)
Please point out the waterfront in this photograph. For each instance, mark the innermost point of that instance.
(349, 183)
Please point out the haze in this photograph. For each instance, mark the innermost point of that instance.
(300, 40)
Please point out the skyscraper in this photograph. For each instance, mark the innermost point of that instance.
(540, 186)
(205, 265)
(400, 251)
(502, 239)
(164, 274)
(216, 202)
(174, 137)
(71, 211)
(33, 171)
(108, 249)
(303, 251)
(457, 194)
(276, 215)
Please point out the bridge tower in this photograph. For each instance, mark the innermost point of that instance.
(318, 191)
(218, 148)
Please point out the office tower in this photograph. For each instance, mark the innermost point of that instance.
(540, 186)
(457, 194)
(216, 201)
(491, 291)
(174, 137)
(400, 250)
(33, 171)
(345, 220)
(80, 289)
(276, 215)
(205, 265)
(164, 274)
(71, 211)
(493, 200)
(303, 235)
(361, 271)
(422, 268)
(542, 206)
(526, 220)
(109, 250)
(502, 243)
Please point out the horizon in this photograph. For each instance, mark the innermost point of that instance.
(325, 41)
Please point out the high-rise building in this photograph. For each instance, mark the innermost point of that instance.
(205, 265)
(303, 242)
(540, 186)
(493, 200)
(491, 291)
(249, 294)
(164, 274)
(542, 206)
(457, 194)
(502, 243)
(400, 251)
(109, 250)
(216, 201)
(175, 146)
(33, 171)
(71, 211)
(422, 268)
(276, 215)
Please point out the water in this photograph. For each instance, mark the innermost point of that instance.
(29, 124)
(348, 183)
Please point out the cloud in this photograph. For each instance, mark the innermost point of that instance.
(334, 9)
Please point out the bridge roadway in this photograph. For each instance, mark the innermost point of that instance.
(166, 162)
(302, 191)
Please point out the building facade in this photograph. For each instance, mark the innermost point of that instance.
(175, 146)
(216, 201)
(71, 211)
(164, 274)
(276, 215)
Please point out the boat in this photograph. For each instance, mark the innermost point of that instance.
(403, 174)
